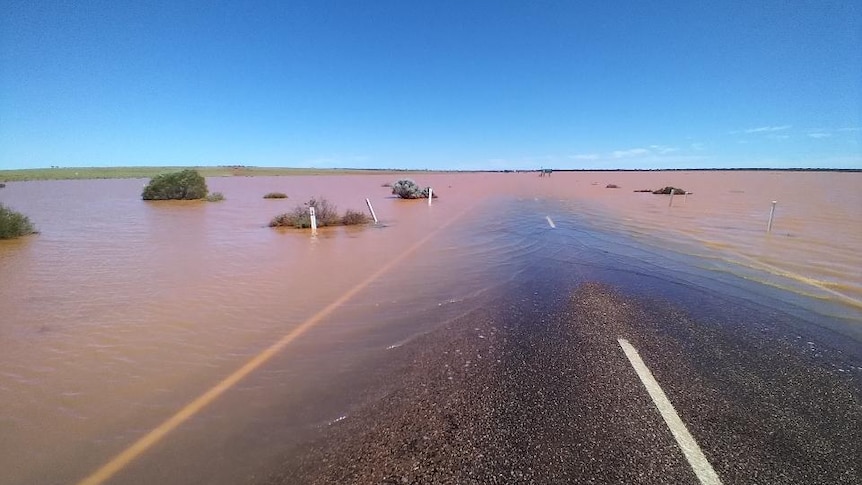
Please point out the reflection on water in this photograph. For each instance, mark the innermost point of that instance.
(121, 311)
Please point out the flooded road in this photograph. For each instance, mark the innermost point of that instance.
(121, 312)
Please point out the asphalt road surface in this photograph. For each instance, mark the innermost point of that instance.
(538, 389)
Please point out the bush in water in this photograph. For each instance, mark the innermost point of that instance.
(184, 185)
(14, 224)
(326, 213)
(407, 189)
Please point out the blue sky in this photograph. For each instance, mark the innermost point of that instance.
(446, 85)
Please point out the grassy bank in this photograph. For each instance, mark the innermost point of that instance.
(149, 172)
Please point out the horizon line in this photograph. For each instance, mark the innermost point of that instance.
(389, 169)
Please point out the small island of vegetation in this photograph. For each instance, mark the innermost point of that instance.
(408, 189)
(669, 190)
(14, 224)
(664, 191)
(183, 185)
(325, 212)
(275, 195)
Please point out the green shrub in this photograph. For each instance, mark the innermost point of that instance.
(407, 189)
(353, 218)
(275, 195)
(215, 197)
(184, 185)
(14, 224)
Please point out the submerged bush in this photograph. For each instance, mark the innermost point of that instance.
(326, 213)
(275, 195)
(215, 197)
(668, 190)
(184, 185)
(14, 224)
(353, 218)
(288, 219)
(407, 189)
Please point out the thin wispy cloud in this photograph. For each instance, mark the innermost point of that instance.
(819, 135)
(642, 153)
(767, 129)
(663, 149)
(631, 152)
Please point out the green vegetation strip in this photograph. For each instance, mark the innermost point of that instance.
(149, 172)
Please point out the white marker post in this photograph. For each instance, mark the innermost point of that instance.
(670, 203)
(430, 195)
(373, 215)
(771, 216)
(685, 197)
(313, 221)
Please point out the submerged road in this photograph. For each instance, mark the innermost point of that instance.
(589, 363)
(546, 388)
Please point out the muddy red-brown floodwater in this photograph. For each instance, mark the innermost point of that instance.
(120, 312)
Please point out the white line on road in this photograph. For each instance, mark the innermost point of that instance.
(684, 439)
(550, 222)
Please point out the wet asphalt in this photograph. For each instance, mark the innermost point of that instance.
(536, 390)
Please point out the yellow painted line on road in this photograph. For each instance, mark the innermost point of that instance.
(777, 271)
(820, 284)
(684, 439)
(138, 448)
